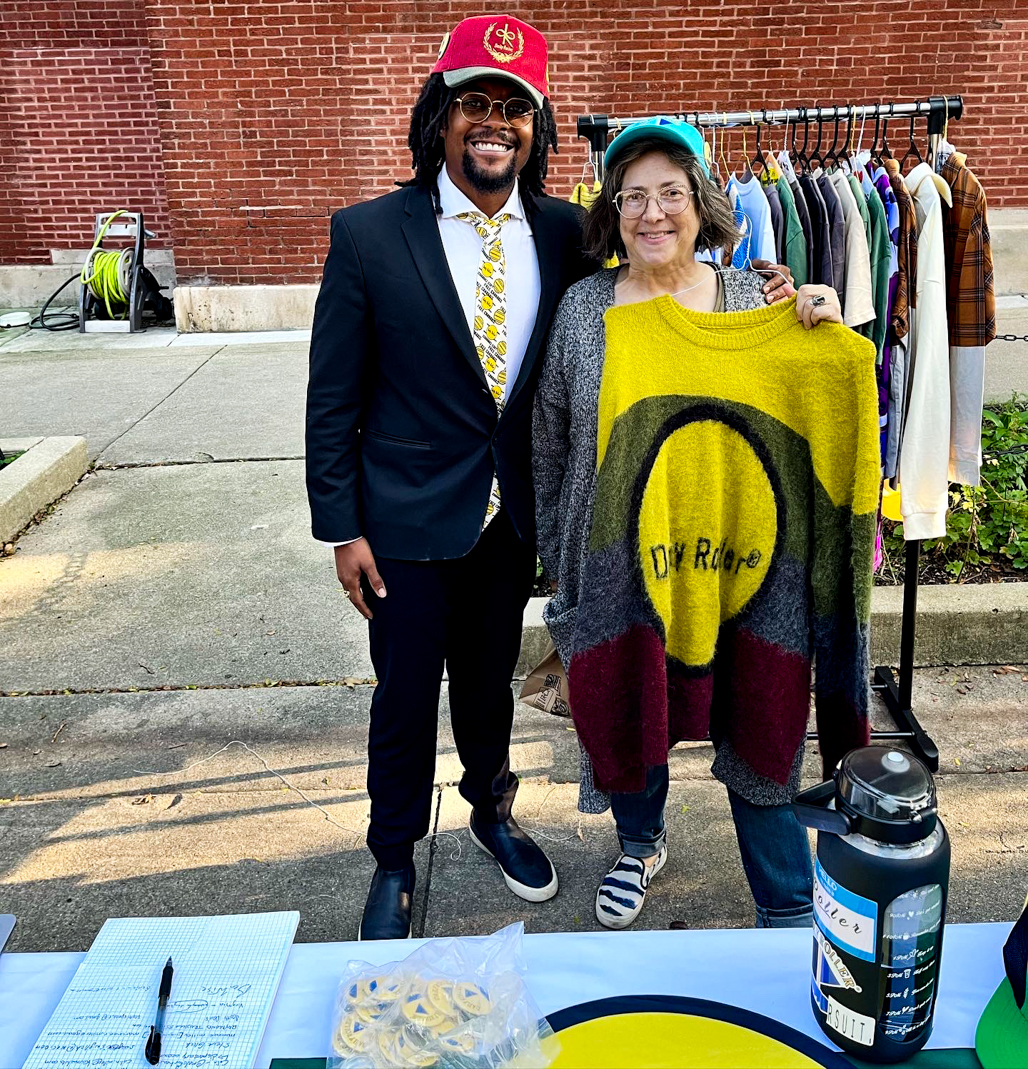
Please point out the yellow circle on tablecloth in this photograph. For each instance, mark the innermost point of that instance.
(637, 1031)
(633, 1040)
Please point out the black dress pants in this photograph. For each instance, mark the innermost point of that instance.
(464, 615)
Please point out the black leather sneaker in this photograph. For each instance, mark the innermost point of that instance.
(527, 871)
(387, 910)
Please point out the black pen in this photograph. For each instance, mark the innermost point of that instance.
(153, 1044)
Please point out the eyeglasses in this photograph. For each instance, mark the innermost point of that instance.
(477, 107)
(671, 200)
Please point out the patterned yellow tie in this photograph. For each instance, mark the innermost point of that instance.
(490, 326)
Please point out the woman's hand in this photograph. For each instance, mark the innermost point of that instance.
(778, 288)
(811, 310)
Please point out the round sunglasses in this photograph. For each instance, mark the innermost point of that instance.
(477, 107)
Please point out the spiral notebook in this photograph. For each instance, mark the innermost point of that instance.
(226, 973)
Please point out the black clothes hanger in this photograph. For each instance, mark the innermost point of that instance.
(913, 152)
(800, 160)
(759, 159)
(885, 152)
(845, 153)
(816, 159)
(832, 155)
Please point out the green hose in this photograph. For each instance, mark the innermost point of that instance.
(107, 273)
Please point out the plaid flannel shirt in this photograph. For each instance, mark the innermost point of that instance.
(970, 291)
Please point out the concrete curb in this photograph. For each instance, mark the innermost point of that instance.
(49, 467)
(986, 624)
(245, 308)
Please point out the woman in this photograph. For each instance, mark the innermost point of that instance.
(659, 208)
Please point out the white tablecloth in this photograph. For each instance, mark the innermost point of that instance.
(764, 971)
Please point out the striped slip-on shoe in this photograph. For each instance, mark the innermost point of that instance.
(622, 893)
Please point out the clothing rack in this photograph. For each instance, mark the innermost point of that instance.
(897, 694)
(596, 129)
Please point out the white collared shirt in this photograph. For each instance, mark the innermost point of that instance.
(463, 248)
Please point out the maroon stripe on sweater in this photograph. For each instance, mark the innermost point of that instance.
(637, 710)
(770, 702)
(624, 684)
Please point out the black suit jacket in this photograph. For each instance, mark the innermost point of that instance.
(402, 432)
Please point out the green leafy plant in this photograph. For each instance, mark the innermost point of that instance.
(987, 528)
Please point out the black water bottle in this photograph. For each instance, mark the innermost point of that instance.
(880, 887)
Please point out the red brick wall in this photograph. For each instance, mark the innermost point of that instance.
(275, 112)
(78, 125)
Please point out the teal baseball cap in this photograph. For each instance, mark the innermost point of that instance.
(675, 131)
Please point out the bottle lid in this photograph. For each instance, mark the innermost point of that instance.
(888, 794)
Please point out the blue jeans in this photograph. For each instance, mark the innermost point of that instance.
(773, 844)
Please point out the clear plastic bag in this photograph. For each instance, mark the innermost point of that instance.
(454, 1003)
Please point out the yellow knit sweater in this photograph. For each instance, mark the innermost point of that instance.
(732, 539)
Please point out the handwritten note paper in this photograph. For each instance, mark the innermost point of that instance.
(227, 970)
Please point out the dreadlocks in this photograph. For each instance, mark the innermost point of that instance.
(426, 145)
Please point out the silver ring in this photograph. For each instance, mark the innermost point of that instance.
(820, 299)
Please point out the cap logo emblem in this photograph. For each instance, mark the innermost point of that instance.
(443, 46)
(501, 43)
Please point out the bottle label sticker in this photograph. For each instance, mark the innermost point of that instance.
(848, 919)
(856, 1027)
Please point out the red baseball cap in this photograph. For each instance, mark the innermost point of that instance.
(489, 45)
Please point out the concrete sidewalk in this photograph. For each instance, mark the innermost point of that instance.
(183, 561)
(129, 804)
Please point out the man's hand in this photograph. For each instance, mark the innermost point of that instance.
(778, 288)
(353, 561)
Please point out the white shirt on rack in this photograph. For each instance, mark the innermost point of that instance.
(924, 449)
(786, 167)
(463, 248)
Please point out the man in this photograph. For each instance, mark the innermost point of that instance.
(428, 337)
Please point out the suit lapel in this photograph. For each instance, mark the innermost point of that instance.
(548, 251)
(422, 233)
